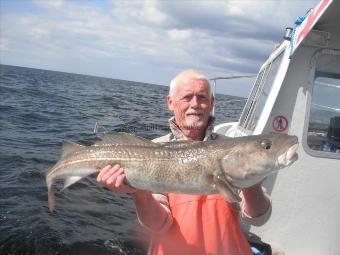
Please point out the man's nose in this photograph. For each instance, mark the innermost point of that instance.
(194, 102)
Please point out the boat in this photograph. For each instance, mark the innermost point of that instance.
(297, 92)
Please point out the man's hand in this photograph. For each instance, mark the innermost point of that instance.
(149, 210)
(255, 201)
(112, 177)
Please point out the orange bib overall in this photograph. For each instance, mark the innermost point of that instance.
(202, 225)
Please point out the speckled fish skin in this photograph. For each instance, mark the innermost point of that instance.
(208, 167)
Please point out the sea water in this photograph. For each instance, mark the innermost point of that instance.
(38, 109)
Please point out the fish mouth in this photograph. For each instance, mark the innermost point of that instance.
(288, 157)
(292, 152)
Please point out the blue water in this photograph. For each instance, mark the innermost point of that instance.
(38, 109)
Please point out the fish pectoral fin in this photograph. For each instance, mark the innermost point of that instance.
(225, 189)
(69, 147)
(71, 180)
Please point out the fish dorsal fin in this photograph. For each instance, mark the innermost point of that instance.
(179, 144)
(69, 147)
(124, 139)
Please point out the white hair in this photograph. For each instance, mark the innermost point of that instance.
(188, 74)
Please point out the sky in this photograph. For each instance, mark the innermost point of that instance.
(147, 41)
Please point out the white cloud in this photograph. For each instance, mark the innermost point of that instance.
(152, 14)
(179, 35)
(49, 3)
(142, 12)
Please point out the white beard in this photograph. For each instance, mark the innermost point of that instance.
(194, 122)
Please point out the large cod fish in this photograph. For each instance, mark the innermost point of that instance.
(207, 167)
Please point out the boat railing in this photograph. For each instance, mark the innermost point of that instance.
(214, 83)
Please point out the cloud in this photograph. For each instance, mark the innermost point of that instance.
(147, 41)
(49, 3)
(179, 35)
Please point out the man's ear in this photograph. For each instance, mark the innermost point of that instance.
(170, 103)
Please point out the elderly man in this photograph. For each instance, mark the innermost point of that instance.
(191, 224)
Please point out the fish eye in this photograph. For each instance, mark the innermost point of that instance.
(266, 144)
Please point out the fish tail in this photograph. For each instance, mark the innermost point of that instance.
(50, 200)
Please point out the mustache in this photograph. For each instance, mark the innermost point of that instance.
(192, 111)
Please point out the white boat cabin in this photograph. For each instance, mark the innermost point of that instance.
(297, 91)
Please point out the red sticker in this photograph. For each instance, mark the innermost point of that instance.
(280, 123)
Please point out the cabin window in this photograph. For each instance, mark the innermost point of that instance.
(261, 91)
(323, 133)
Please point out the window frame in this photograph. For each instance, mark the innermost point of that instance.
(257, 90)
(311, 79)
(251, 99)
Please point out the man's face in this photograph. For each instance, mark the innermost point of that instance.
(191, 104)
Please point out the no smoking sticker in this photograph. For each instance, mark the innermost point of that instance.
(280, 123)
